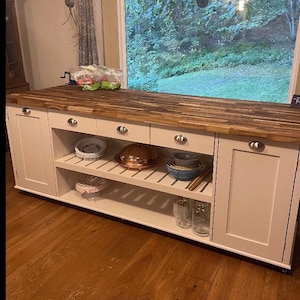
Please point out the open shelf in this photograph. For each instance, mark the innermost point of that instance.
(146, 207)
(143, 196)
(154, 178)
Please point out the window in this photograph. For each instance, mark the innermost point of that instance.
(238, 49)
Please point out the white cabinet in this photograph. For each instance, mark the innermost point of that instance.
(128, 131)
(254, 190)
(142, 196)
(183, 139)
(31, 149)
(73, 122)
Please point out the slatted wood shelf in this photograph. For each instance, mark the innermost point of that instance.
(149, 208)
(155, 178)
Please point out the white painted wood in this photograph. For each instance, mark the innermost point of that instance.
(293, 223)
(253, 195)
(64, 141)
(295, 72)
(31, 149)
(122, 42)
(158, 221)
(82, 124)
(201, 142)
(154, 178)
(147, 207)
(134, 132)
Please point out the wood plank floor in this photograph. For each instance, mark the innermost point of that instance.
(55, 252)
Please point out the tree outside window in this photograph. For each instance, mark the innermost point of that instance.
(239, 49)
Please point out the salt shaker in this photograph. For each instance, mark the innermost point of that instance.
(201, 218)
(182, 210)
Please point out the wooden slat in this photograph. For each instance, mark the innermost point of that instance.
(156, 177)
(274, 121)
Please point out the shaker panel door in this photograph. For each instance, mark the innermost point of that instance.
(31, 152)
(253, 195)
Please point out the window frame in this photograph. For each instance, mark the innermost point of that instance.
(117, 8)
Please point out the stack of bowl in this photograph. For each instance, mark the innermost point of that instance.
(185, 166)
(90, 148)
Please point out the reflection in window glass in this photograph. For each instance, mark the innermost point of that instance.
(239, 49)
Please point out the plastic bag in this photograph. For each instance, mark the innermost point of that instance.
(94, 77)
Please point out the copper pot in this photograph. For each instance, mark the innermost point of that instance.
(137, 155)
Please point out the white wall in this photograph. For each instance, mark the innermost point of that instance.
(49, 49)
(47, 46)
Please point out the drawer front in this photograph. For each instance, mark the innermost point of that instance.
(134, 132)
(73, 122)
(201, 142)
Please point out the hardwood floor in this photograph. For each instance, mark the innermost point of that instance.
(58, 252)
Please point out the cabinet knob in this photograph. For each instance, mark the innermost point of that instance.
(257, 145)
(180, 139)
(26, 110)
(72, 122)
(122, 129)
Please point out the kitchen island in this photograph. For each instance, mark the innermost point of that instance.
(252, 147)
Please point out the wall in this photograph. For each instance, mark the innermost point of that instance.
(47, 46)
(49, 49)
(110, 33)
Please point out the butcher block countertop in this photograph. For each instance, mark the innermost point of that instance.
(276, 122)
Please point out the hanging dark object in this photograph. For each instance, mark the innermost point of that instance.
(70, 4)
(202, 3)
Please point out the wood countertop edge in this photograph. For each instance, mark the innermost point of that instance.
(275, 122)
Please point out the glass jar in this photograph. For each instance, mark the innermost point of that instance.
(182, 210)
(201, 218)
(90, 187)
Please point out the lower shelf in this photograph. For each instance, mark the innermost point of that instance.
(146, 207)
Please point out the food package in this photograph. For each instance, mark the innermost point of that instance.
(94, 77)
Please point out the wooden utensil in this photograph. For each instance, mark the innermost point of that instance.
(197, 180)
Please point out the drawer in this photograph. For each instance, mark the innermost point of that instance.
(73, 122)
(187, 140)
(132, 131)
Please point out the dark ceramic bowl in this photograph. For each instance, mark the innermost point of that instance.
(185, 173)
(185, 158)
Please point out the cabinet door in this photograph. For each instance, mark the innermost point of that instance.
(30, 145)
(253, 195)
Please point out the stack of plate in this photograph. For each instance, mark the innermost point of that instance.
(91, 187)
(90, 148)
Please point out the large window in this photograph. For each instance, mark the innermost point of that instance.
(238, 49)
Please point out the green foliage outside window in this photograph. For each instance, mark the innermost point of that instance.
(170, 38)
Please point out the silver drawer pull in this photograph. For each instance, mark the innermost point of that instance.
(257, 145)
(180, 139)
(72, 122)
(26, 110)
(122, 129)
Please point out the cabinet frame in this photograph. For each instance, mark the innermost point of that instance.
(239, 222)
(67, 168)
(31, 149)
